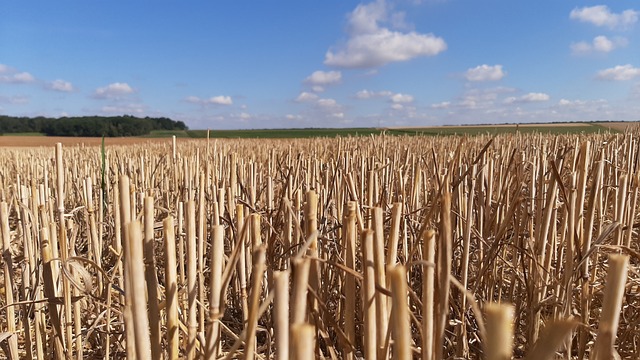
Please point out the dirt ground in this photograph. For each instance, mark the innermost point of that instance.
(36, 141)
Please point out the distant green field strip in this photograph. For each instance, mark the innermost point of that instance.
(284, 133)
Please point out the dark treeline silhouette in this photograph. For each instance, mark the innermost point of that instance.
(88, 125)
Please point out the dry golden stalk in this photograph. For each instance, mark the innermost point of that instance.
(192, 291)
(302, 341)
(299, 291)
(621, 207)
(498, 345)
(256, 290)
(401, 322)
(64, 248)
(134, 261)
(217, 262)
(311, 227)
(171, 289)
(125, 218)
(611, 307)
(428, 291)
(50, 293)
(349, 290)
(369, 295)
(281, 314)
(443, 268)
(242, 261)
(7, 268)
(382, 316)
(202, 235)
(394, 234)
(552, 336)
(151, 278)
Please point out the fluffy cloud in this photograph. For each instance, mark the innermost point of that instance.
(114, 90)
(60, 85)
(599, 44)
(527, 98)
(401, 98)
(327, 103)
(441, 105)
(485, 73)
(571, 103)
(372, 45)
(367, 94)
(619, 73)
(600, 15)
(214, 100)
(11, 76)
(324, 78)
(396, 99)
(293, 117)
(306, 97)
(220, 100)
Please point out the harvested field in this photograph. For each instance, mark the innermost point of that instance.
(522, 245)
(621, 125)
(36, 141)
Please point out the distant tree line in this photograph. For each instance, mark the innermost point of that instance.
(110, 126)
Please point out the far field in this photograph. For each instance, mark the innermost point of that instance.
(37, 139)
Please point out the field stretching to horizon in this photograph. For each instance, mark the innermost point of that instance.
(495, 246)
(39, 139)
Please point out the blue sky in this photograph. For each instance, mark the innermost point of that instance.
(273, 64)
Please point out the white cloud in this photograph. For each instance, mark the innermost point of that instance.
(441, 105)
(323, 78)
(485, 73)
(396, 99)
(214, 100)
(535, 97)
(114, 90)
(581, 47)
(60, 85)
(317, 88)
(220, 100)
(571, 103)
(10, 76)
(327, 103)
(603, 44)
(371, 45)
(306, 97)
(367, 94)
(243, 116)
(527, 98)
(619, 73)
(293, 117)
(23, 77)
(599, 44)
(401, 98)
(600, 15)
